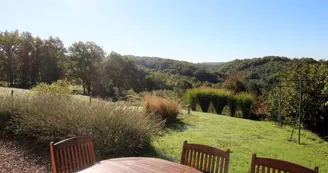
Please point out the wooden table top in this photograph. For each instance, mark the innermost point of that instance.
(138, 165)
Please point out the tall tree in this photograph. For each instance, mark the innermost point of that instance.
(2, 67)
(9, 44)
(53, 60)
(118, 66)
(35, 61)
(25, 55)
(86, 59)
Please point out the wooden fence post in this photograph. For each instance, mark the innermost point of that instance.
(189, 109)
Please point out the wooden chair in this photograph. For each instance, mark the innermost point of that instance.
(72, 154)
(205, 158)
(267, 165)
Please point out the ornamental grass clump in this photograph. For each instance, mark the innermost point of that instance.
(204, 97)
(167, 110)
(118, 130)
(220, 98)
(191, 98)
(232, 105)
(244, 102)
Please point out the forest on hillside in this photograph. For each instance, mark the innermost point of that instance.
(27, 60)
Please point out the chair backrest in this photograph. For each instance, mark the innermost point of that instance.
(72, 154)
(205, 158)
(267, 165)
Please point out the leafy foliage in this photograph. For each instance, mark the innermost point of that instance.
(235, 83)
(314, 77)
(86, 59)
(59, 88)
(26, 60)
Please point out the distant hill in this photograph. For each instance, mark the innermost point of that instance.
(211, 63)
(258, 70)
(200, 72)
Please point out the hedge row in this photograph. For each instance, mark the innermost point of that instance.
(219, 98)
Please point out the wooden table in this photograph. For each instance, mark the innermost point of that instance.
(138, 165)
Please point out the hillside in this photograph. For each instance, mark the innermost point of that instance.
(211, 63)
(200, 72)
(259, 70)
(243, 138)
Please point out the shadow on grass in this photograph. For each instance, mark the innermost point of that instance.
(154, 153)
(177, 126)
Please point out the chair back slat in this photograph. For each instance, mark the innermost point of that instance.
(268, 165)
(205, 158)
(73, 154)
(221, 166)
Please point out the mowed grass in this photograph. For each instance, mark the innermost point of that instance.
(243, 137)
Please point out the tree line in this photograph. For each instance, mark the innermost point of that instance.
(26, 60)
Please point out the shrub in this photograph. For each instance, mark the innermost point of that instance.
(232, 105)
(204, 97)
(235, 83)
(220, 99)
(245, 101)
(6, 104)
(168, 110)
(191, 98)
(60, 87)
(3, 84)
(50, 118)
(8, 107)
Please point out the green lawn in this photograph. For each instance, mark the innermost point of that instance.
(243, 137)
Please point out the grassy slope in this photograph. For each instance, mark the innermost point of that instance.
(244, 137)
(22, 92)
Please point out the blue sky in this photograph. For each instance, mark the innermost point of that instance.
(190, 30)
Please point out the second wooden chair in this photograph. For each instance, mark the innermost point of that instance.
(205, 158)
(268, 165)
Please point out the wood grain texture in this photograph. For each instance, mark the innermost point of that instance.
(207, 159)
(138, 165)
(276, 165)
(73, 154)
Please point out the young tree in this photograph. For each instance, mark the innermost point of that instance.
(86, 59)
(235, 83)
(312, 78)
